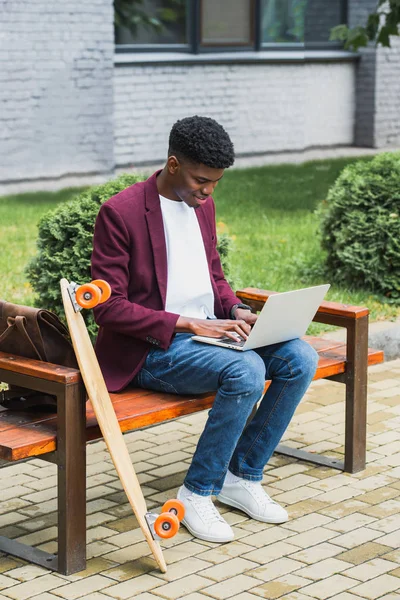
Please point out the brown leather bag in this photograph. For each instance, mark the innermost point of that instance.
(33, 333)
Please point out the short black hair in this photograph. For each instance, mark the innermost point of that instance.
(201, 140)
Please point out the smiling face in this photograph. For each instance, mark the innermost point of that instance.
(189, 182)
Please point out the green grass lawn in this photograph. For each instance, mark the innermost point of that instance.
(267, 210)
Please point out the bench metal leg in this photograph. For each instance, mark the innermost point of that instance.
(355, 380)
(71, 453)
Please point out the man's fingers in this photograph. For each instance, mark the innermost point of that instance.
(242, 328)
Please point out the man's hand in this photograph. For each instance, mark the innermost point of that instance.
(214, 327)
(246, 315)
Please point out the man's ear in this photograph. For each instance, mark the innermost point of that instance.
(173, 165)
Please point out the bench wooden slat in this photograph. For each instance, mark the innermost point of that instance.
(331, 308)
(31, 434)
(17, 418)
(37, 368)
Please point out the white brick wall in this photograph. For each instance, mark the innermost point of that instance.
(387, 115)
(56, 94)
(377, 85)
(264, 107)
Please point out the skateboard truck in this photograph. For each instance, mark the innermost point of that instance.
(166, 524)
(88, 295)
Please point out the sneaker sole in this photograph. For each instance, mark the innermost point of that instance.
(236, 504)
(206, 538)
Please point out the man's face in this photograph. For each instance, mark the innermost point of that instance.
(193, 183)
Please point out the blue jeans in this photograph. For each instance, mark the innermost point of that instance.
(190, 367)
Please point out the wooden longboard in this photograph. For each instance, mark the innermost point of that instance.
(107, 420)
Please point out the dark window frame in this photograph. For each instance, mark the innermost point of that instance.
(194, 45)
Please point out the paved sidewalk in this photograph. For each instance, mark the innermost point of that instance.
(342, 540)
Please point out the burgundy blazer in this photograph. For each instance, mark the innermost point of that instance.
(129, 252)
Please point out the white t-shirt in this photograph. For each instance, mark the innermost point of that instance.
(189, 291)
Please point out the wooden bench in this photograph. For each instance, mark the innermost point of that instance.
(61, 438)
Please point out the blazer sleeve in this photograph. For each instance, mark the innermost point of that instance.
(110, 261)
(226, 294)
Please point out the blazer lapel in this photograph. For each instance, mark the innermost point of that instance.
(156, 232)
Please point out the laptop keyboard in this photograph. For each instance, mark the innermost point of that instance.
(228, 340)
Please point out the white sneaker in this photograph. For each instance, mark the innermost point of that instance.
(202, 519)
(251, 498)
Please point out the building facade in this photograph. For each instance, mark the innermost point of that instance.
(80, 98)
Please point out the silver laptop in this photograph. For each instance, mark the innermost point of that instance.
(284, 317)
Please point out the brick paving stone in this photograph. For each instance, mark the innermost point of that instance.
(342, 509)
(357, 537)
(7, 563)
(94, 596)
(347, 596)
(26, 572)
(370, 569)
(364, 552)
(294, 482)
(29, 589)
(375, 588)
(272, 552)
(275, 569)
(99, 548)
(323, 569)
(313, 537)
(316, 553)
(267, 536)
(392, 555)
(329, 587)
(301, 493)
(306, 507)
(224, 570)
(93, 567)
(182, 551)
(294, 596)
(288, 470)
(180, 587)
(307, 522)
(392, 539)
(230, 587)
(224, 552)
(279, 587)
(352, 522)
(133, 587)
(83, 587)
(387, 524)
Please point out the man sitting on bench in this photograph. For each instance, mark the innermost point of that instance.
(155, 243)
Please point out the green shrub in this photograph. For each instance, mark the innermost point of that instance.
(361, 226)
(65, 245)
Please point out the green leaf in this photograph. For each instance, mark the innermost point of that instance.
(340, 33)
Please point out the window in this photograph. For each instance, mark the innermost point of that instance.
(225, 25)
(282, 21)
(320, 17)
(153, 22)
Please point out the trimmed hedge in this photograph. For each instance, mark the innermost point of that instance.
(360, 222)
(65, 246)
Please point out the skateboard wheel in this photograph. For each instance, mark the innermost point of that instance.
(88, 295)
(166, 525)
(105, 289)
(176, 507)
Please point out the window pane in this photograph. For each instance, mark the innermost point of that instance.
(321, 16)
(160, 22)
(226, 22)
(283, 21)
